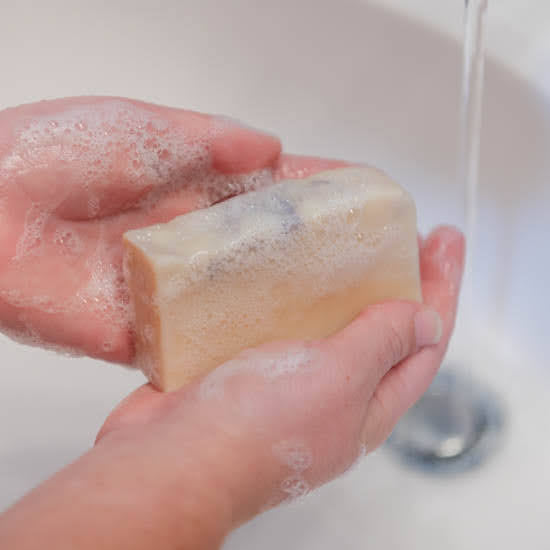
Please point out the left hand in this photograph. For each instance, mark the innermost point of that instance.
(75, 174)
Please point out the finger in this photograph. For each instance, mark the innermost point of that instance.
(442, 261)
(294, 166)
(240, 149)
(382, 336)
(90, 157)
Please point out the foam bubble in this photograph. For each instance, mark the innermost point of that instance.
(269, 365)
(68, 240)
(115, 140)
(31, 240)
(295, 487)
(28, 334)
(18, 299)
(105, 291)
(293, 453)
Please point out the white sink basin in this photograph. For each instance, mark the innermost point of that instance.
(342, 79)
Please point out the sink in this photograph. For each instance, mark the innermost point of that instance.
(358, 80)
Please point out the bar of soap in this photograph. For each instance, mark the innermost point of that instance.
(297, 260)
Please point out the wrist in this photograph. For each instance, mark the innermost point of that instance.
(171, 490)
(120, 495)
(225, 469)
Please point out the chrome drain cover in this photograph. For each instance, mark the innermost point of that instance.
(454, 427)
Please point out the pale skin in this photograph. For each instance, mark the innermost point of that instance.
(181, 470)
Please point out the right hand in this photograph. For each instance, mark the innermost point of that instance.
(284, 418)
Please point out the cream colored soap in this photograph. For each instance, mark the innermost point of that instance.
(298, 260)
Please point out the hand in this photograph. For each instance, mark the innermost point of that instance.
(284, 418)
(75, 174)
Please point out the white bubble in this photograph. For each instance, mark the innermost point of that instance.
(295, 487)
(29, 335)
(267, 364)
(287, 362)
(116, 138)
(31, 241)
(293, 453)
(68, 240)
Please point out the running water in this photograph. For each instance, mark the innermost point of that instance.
(455, 424)
(469, 138)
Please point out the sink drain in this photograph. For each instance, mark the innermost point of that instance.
(453, 428)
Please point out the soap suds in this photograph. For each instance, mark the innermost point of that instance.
(294, 453)
(117, 142)
(298, 458)
(268, 365)
(105, 291)
(28, 334)
(68, 240)
(31, 241)
(295, 487)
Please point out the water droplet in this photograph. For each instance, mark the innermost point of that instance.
(359, 236)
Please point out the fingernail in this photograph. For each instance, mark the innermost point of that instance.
(428, 328)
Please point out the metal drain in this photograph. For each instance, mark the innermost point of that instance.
(453, 428)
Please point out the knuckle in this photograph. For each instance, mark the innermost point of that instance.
(394, 345)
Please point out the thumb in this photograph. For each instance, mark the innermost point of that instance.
(382, 336)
